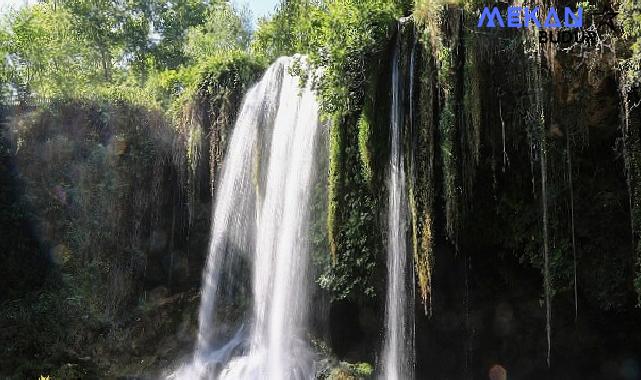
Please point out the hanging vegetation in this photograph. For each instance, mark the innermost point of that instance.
(450, 77)
(629, 87)
(421, 186)
(352, 93)
(207, 117)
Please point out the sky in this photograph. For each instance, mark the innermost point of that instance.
(259, 8)
(5, 5)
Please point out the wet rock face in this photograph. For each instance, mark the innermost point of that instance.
(488, 314)
(23, 261)
(97, 190)
(107, 217)
(102, 181)
(487, 299)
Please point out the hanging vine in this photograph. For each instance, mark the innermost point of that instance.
(449, 76)
(421, 189)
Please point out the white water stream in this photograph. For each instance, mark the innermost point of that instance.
(398, 343)
(276, 225)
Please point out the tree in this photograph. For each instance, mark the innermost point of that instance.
(225, 29)
(43, 53)
(75, 48)
(171, 20)
(290, 30)
(102, 23)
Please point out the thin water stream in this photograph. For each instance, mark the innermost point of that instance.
(398, 343)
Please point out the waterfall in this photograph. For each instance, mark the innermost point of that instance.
(398, 357)
(272, 227)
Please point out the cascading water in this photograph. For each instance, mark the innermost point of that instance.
(398, 346)
(276, 225)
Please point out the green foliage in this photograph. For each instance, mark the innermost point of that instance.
(352, 33)
(345, 38)
(373, 125)
(104, 49)
(206, 111)
(454, 50)
(362, 369)
(165, 87)
(233, 69)
(173, 20)
(106, 26)
(291, 30)
(422, 188)
(448, 133)
(224, 29)
(442, 39)
(631, 61)
(340, 36)
(354, 234)
(318, 215)
(346, 371)
(46, 54)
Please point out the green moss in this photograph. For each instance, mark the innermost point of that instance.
(362, 369)
(449, 77)
(347, 371)
(335, 180)
(373, 125)
(447, 131)
(472, 111)
(422, 247)
(420, 144)
(354, 236)
(365, 154)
